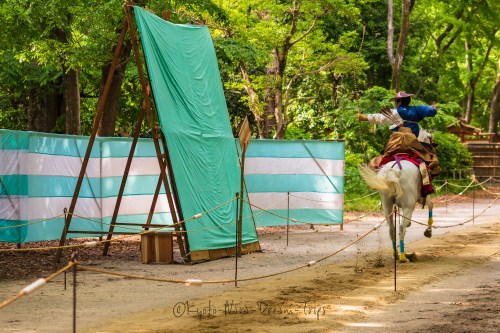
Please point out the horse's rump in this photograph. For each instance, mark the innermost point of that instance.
(386, 180)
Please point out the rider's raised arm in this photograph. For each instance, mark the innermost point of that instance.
(378, 118)
(424, 111)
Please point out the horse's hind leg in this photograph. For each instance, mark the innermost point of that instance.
(407, 213)
(428, 231)
(388, 205)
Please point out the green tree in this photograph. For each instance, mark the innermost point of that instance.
(277, 46)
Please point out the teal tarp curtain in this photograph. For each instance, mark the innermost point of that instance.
(193, 115)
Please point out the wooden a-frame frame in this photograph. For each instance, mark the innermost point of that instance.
(163, 160)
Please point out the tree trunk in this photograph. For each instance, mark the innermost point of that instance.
(403, 35)
(469, 102)
(43, 110)
(473, 79)
(270, 94)
(495, 105)
(390, 31)
(71, 90)
(254, 103)
(280, 114)
(279, 64)
(275, 76)
(469, 97)
(72, 102)
(108, 121)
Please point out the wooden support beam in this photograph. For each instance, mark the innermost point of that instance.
(98, 116)
(124, 178)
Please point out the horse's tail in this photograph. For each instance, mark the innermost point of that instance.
(387, 180)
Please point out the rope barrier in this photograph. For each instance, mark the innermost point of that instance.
(440, 187)
(473, 180)
(458, 224)
(196, 282)
(487, 191)
(86, 244)
(35, 285)
(462, 192)
(199, 281)
(194, 217)
(189, 282)
(30, 223)
(252, 215)
(366, 196)
(364, 215)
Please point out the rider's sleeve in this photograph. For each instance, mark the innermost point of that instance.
(378, 118)
(424, 136)
(425, 111)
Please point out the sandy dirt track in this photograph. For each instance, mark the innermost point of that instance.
(452, 287)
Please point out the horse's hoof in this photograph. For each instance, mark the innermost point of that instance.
(412, 257)
(402, 258)
(395, 254)
(428, 233)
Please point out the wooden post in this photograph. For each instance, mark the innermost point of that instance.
(124, 180)
(240, 219)
(473, 204)
(73, 259)
(236, 243)
(98, 116)
(287, 216)
(446, 202)
(245, 136)
(395, 242)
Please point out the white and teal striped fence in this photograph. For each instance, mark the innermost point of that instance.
(301, 180)
(39, 171)
(38, 174)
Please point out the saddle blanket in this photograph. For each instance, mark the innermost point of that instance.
(426, 189)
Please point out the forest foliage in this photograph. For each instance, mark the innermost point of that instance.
(297, 69)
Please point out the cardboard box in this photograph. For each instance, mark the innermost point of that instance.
(157, 247)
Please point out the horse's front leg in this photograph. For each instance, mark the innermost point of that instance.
(428, 231)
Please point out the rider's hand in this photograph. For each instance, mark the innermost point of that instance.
(362, 117)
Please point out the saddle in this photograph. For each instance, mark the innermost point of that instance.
(405, 142)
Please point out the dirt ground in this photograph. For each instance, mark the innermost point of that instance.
(453, 286)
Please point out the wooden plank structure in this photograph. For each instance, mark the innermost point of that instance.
(469, 133)
(485, 152)
(163, 159)
(157, 247)
(486, 160)
(207, 255)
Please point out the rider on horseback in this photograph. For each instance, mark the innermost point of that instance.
(407, 137)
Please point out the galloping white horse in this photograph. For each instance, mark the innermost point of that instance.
(399, 184)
